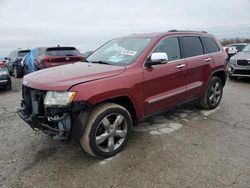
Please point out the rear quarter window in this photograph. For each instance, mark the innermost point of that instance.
(192, 46)
(210, 45)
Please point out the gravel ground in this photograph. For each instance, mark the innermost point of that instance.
(186, 147)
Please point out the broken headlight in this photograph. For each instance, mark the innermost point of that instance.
(59, 98)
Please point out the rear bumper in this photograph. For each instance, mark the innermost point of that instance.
(239, 71)
(5, 80)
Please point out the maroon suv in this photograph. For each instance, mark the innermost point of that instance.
(121, 83)
(54, 56)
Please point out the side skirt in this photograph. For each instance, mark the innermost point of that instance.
(162, 111)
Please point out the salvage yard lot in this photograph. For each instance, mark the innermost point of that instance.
(186, 147)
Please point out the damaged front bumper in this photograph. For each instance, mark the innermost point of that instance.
(60, 123)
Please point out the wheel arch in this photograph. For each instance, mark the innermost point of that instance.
(221, 74)
(124, 101)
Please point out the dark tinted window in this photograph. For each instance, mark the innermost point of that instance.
(239, 47)
(171, 47)
(192, 46)
(62, 51)
(210, 45)
(23, 53)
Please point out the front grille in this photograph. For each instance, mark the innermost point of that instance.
(243, 62)
(34, 100)
(245, 72)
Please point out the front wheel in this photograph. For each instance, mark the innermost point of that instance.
(213, 94)
(107, 130)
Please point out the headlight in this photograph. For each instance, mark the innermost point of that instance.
(233, 61)
(59, 98)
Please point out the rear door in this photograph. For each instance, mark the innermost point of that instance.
(199, 65)
(165, 84)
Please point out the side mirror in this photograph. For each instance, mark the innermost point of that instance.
(157, 58)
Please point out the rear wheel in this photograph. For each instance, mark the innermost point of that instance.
(213, 94)
(107, 130)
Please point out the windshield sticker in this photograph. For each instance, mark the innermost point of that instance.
(128, 52)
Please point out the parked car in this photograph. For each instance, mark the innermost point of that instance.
(239, 65)
(45, 57)
(5, 80)
(124, 81)
(14, 62)
(238, 46)
(232, 49)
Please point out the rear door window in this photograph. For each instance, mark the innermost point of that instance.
(210, 45)
(171, 47)
(192, 46)
(62, 51)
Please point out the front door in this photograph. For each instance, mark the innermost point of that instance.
(165, 84)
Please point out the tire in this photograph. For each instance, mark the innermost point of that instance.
(212, 97)
(8, 87)
(100, 137)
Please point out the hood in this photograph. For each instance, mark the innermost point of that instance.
(65, 76)
(242, 55)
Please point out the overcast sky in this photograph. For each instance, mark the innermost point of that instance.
(88, 24)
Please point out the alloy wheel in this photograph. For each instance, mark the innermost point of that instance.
(215, 93)
(111, 132)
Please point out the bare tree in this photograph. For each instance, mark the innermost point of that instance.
(225, 42)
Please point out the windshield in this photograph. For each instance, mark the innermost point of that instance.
(120, 52)
(239, 47)
(247, 48)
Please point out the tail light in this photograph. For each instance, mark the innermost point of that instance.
(2, 65)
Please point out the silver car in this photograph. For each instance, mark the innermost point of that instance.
(239, 64)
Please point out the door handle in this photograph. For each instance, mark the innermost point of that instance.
(208, 59)
(180, 66)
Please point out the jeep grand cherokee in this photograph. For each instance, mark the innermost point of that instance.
(121, 83)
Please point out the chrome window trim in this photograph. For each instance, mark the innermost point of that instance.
(174, 61)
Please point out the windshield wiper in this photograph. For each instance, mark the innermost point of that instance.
(100, 62)
(85, 60)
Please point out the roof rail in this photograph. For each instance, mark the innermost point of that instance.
(175, 30)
